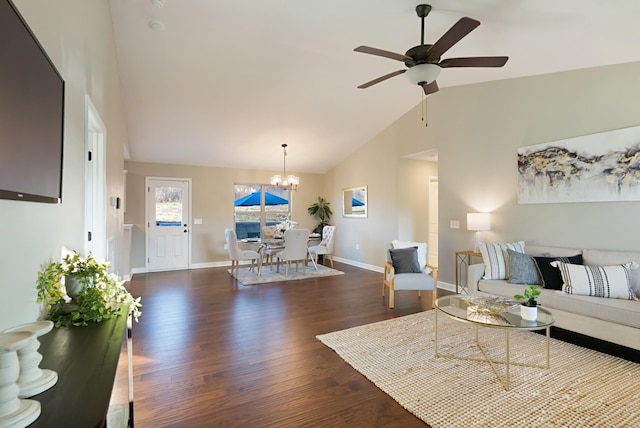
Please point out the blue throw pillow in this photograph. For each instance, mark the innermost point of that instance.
(522, 269)
(405, 260)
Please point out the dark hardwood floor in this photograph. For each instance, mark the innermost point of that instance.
(210, 352)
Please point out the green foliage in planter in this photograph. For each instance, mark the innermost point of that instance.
(529, 296)
(322, 210)
(97, 301)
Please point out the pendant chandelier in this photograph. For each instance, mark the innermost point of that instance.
(284, 180)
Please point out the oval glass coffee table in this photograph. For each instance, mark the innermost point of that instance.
(492, 312)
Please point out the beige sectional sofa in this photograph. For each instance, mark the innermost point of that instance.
(612, 320)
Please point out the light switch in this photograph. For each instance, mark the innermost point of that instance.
(197, 221)
(454, 224)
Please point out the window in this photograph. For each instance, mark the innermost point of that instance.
(257, 205)
(168, 206)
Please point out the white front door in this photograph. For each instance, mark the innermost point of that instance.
(168, 226)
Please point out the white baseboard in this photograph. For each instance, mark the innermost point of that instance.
(359, 264)
(447, 286)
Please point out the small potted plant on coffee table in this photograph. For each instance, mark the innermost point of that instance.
(528, 302)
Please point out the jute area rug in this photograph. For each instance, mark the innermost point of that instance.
(250, 277)
(583, 388)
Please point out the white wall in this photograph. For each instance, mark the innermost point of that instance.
(78, 37)
(477, 130)
(482, 126)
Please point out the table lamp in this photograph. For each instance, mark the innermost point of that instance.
(478, 222)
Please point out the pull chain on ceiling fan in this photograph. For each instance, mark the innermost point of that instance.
(424, 61)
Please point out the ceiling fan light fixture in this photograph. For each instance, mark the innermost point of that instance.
(422, 73)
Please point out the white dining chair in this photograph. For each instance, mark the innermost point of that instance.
(325, 247)
(295, 249)
(236, 254)
(269, 233)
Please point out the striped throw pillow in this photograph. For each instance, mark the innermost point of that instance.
(495, 264)
(613, 282)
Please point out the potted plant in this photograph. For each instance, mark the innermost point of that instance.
(88, 293)
(322, 210)
(528, 302)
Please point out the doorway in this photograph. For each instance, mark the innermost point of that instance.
(94, 190)
(433, 221)
(168, 208)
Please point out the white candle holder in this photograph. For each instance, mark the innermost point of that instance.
(32, 379)
(14, 412)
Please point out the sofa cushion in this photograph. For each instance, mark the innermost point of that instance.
(546, 251)
(405, 260)
(612, 282)
(624, 312)
(605, 258)
(550, 275)
(522, 269)
(493, 256)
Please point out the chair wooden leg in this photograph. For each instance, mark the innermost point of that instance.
(391, 300)
(434, 296)
(331, 259)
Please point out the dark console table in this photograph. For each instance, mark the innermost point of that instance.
(86, 359)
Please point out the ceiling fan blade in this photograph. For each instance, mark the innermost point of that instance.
(382, 53)
(460, 29)
(477, 61)
(430, 88)
(381, 79)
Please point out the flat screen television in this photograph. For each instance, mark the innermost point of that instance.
(31, 114)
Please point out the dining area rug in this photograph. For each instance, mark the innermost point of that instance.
(248, 276)
(581, 388)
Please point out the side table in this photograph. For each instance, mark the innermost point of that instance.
(463, 260)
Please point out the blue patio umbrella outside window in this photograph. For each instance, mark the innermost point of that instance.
(356, 203)
(253, 199)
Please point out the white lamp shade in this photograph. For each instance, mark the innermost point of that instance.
(478, 221)
(422, 73)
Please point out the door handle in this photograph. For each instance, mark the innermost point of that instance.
(185, 231)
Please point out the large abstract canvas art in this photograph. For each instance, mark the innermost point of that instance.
(591, 168)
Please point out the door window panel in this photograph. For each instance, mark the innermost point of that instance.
(169, 206)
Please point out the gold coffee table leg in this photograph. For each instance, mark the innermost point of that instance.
(436, 338)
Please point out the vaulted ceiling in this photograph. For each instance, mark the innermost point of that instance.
(226, 82)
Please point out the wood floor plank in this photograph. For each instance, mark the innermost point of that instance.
(210, 352)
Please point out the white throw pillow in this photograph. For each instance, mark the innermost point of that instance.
(613, 282)
(422, 249)
(495, 265)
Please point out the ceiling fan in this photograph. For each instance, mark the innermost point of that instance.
(423, 61)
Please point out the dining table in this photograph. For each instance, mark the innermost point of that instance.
(261, 245)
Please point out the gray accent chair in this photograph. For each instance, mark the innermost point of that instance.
(426, 280)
